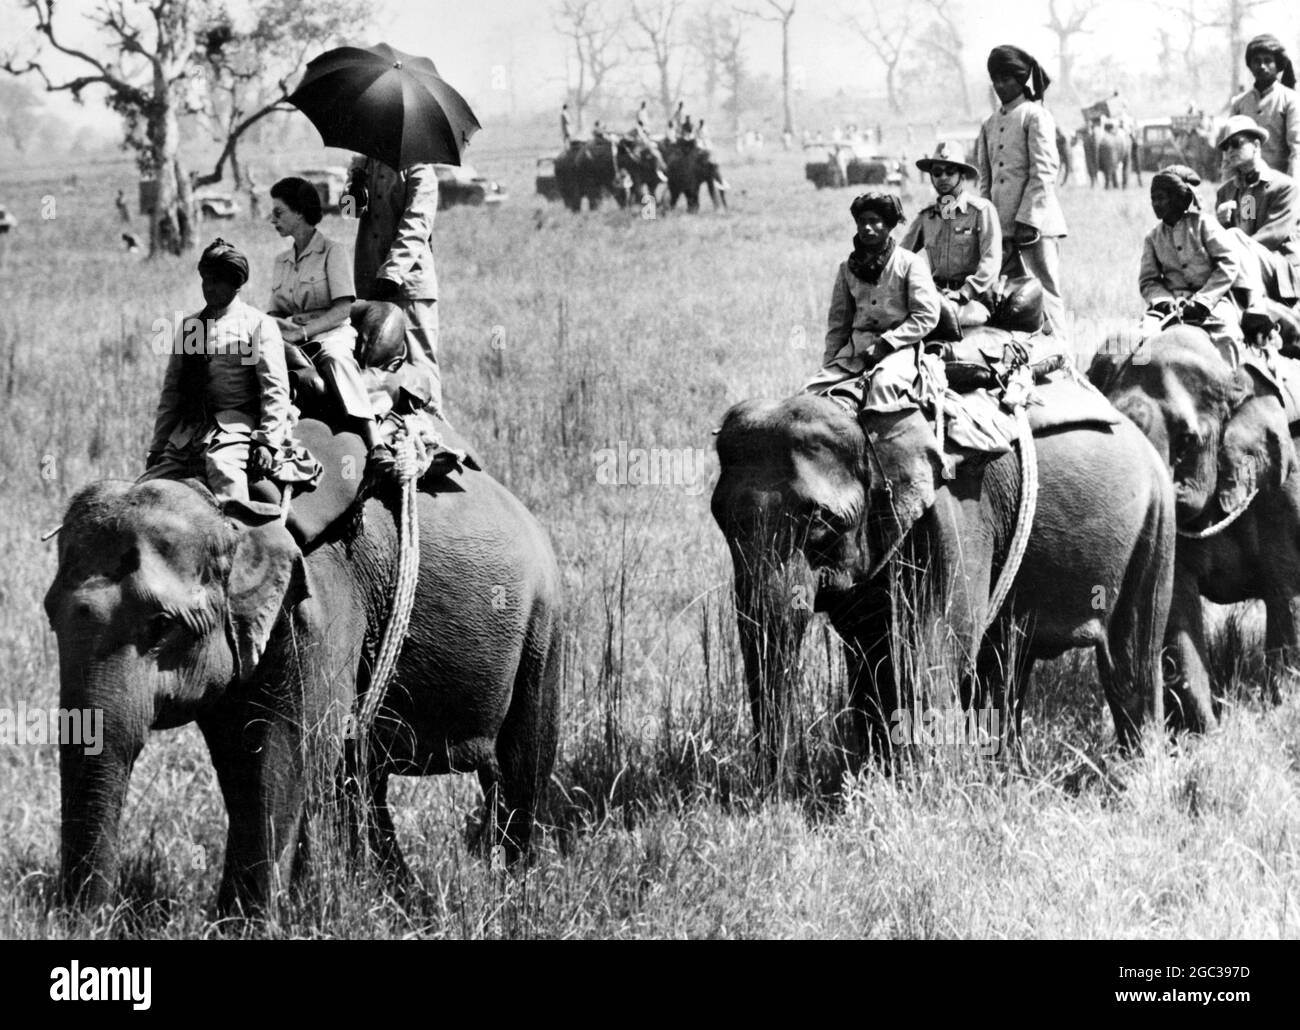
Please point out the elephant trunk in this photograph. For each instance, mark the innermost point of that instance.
(775, 594)
(94, 777)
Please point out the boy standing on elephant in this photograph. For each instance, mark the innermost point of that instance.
(1189, 264)
(224, 408)
(1018, 163)
(960, 235)
(1273, 103)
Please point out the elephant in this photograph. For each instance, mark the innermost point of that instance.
(691, 166)
(1116, 151)
(625, 168)
(166, 612)
(1227, 444)
(800, 501)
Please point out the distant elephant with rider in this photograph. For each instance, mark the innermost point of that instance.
(690, 167)
(625, 168)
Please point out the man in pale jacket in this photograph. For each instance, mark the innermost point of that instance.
(1018, 161)
(394, 253)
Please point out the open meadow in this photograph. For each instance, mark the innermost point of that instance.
(584, 355)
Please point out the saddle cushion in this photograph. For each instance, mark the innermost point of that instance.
(1068, 402)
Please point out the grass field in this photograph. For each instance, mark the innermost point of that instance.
(567, 341)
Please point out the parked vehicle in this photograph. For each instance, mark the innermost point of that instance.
(849, 164)
(1182, 139)
(331, 183)
(545, 180)
(461, 184)
(214, 203)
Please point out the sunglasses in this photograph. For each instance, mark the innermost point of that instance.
(1237, 142)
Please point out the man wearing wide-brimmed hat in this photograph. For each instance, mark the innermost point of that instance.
(1017, 160)
(1258, 205)
(959, 234)
(1273, 103)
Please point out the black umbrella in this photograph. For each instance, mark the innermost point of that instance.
(385, 104)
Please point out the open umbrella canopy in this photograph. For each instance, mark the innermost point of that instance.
(385, 104)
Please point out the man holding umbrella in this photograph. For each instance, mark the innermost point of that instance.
(397, 111)
(394, 254)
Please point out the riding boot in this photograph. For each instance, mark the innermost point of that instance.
(906, 464)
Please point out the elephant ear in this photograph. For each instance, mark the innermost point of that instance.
(1256, 453)
(266, 574)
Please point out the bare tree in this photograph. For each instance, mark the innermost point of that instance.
(887, 30)
(657, 21)
(1067, 20)
(594, 35)
(782, 14)
(945, 40)
(718, 38)
(249, 75)
(152, 48)
(1231, 17)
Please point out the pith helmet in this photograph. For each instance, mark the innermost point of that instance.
(1241, 124)
(948, 152)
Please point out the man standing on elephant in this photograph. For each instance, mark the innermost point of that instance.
(394, 257)
(1258, 205)
(1017, 160)
(960, 235)
(1273, 103)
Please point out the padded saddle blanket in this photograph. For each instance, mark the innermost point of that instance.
(440, 452)
(1279, 375)
(977, 421)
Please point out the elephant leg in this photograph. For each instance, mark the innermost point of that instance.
(383, 834)
(1281, 643)
(1188, 703)
(261, 772)
(877, 725)
(525, 746)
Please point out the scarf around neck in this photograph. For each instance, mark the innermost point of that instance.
(868, 267)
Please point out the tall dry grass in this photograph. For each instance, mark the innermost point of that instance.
(563, 336)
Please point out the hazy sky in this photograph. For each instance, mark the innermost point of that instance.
(468, 40)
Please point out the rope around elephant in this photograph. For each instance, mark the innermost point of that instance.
(399, 616)
(1222, 524)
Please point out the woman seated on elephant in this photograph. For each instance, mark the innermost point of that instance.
(311, 300)
(1189, 264)
(883, 305)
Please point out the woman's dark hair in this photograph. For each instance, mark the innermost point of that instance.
(299, 196)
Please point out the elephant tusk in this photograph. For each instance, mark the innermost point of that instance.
(50, 534)
(1219, 527)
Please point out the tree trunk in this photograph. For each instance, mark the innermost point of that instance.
(171, 229)
(785, 76)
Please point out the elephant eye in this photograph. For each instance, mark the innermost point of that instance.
(158, 628)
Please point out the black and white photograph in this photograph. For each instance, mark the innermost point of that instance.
(651, 469)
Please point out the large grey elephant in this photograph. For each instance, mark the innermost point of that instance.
(800, 502)
(1225, 438)
(625, 168)
(166, 614)
(691, 166)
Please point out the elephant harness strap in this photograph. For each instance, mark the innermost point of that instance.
(399, 615)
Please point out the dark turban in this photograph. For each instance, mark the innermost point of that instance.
(1179, 181)
(1272, 47)
(886, 205)
(1014, 62)
(223, 260)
